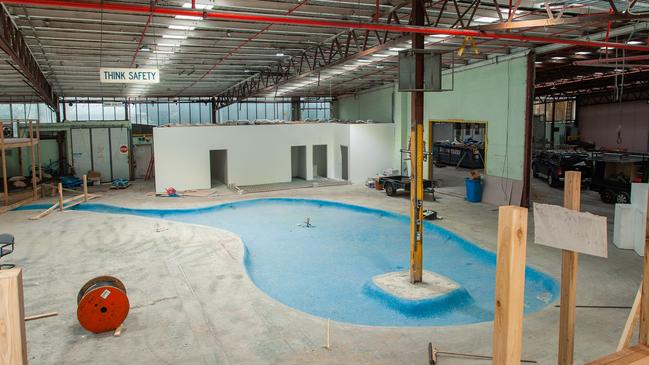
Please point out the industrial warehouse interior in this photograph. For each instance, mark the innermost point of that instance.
(324, 182)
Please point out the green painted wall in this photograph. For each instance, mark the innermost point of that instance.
(494, 93)
(376, 105)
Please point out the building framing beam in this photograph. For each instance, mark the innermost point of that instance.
(13, 44)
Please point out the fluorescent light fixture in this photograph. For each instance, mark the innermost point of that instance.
(605, 48)
(168, 45)
(198, 6)
(189, 17)
(635, 43)
(379, 66)
(145, 49)
(163, 52)
(181, 27)
(558, 58)
(397, 49)
(173, 36)
(379, 55)
(279, 54)
(538, 62)
(618, 70)
(506, 11)
(440, 36)
(364, 61)
(486, 19)
(583, 53)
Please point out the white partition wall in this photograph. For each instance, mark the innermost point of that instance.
(261, 154)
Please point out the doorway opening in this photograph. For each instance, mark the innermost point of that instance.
(458, 147)
(298, 163)
(219, 167)
(320, 161)
(344, 153)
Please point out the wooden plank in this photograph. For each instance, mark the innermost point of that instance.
(510, 285)
(45, 212)
(636, 355)
(40, 316)
(13, 347)
(416, 203)
(569, 265)
(643, 332)
(16, 205)
(634, 316)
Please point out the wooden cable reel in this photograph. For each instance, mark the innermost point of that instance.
(102, 304)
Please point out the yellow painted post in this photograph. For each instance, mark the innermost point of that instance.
(569, 264)
(510, 285)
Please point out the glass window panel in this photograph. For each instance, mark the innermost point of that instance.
(31, 110)
(70, 111)
(5, 111)
(152, 110)
(174, 112)
(109, 112)
(96, 111)
(184, 113)
(206, 113)
(164, 113)
(120, 112)
(18, 111)
(195, 113)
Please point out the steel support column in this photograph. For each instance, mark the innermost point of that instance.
(529, 119)
(417, 151)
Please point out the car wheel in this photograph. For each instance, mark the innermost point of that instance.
(552, 181)
(608, 196)
(622, 197)
(389, 189)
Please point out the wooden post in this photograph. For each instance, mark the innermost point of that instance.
(38, 146)
(643, 332)
(60, 186)
(33, 156)
(569, 265)
(85, 188)
(13, 346)
(5, 183)
(629, 326)
(510, 285)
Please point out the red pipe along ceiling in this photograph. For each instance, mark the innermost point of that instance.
(318, 23)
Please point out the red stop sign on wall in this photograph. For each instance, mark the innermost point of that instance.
(123, 148)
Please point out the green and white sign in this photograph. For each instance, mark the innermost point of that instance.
(129, 75)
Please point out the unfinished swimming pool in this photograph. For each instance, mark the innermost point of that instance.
(326, 267)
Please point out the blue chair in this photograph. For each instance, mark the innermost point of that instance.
(6, 248)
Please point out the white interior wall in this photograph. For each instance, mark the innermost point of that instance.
(261, 154)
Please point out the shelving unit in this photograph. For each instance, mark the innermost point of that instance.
(32, 142)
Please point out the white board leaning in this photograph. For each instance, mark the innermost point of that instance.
(567, 229)
(129, 75)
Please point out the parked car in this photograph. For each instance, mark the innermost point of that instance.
(552, 166)
(613, 173)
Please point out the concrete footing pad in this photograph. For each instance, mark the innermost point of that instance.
(398, 284)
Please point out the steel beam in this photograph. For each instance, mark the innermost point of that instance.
(549, 22)
(13, 44)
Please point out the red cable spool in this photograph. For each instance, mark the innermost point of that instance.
(102, 304)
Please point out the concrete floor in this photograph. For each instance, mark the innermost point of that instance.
(191, 301)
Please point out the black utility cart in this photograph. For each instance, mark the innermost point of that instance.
(392, 184)
(613, 173)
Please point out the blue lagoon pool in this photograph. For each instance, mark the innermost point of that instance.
(326, 270)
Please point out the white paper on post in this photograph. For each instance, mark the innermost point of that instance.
(567, 229)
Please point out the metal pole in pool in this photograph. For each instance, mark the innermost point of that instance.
(417, 150)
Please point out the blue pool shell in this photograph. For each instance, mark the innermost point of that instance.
(377, 242)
